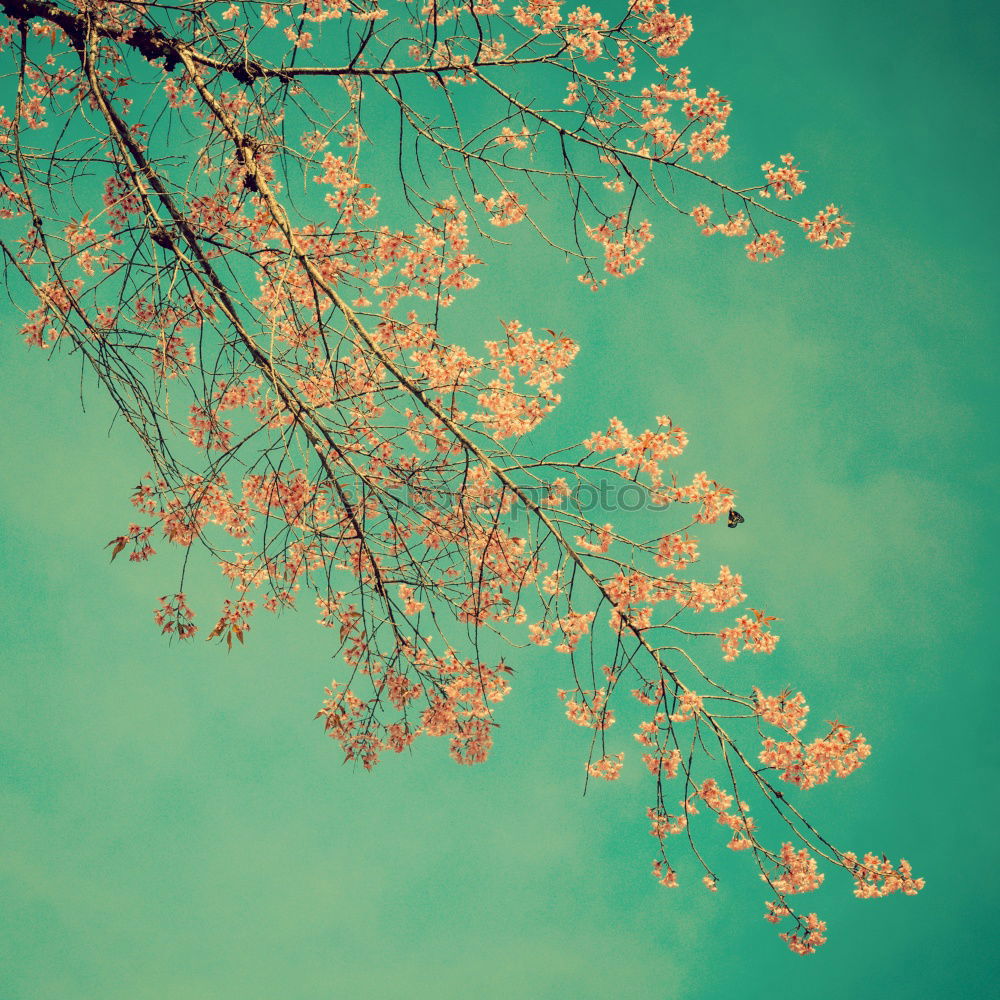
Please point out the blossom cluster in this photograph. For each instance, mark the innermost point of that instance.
(591, 711)
(876, 876)
(807, 765)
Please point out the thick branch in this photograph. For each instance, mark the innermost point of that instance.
(152, 43)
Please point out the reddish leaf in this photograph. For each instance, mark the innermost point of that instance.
(119, 544)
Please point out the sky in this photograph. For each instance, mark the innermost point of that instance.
(176, 825)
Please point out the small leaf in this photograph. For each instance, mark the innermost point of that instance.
(119, 544)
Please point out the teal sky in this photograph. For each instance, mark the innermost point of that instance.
(175, 825)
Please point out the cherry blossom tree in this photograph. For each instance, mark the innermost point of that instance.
(250, 219)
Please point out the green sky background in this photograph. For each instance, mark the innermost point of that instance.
(175, 825)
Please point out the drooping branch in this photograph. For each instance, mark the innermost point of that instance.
(398, 508)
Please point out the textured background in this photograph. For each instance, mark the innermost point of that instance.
(176, 826)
